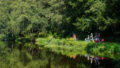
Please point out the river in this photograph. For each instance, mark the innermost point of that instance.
(26, 56)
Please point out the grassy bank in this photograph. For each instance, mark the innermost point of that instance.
(71, 47)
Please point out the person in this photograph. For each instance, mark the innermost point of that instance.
(102, 40)
(99, 37)
(88, 38)
(102, 58)
(96, 38)
(91, 60)
(91, 38)
(74, 36)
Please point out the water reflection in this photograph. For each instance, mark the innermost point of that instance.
(28, 56)
(94, 59)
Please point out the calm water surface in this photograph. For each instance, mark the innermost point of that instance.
(27, 56)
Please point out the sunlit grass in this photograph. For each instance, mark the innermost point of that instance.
(71, 47)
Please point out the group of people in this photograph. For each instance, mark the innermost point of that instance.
(94, 59)
(95, 38)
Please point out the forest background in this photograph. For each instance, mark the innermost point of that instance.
(59, 18)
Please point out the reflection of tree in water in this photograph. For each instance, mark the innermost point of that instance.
(43, 58)
(20, 59)
(58, 61)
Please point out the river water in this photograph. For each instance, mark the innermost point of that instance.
(27, 56)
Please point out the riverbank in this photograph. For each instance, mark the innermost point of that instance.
(29, 56)
(70, 47)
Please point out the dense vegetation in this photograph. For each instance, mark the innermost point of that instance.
(44, 58)
(12, 58)
(51, 23)
(20, 18)
(70, 47)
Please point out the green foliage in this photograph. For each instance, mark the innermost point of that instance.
(87, 16)
(59, 17)
(71, 47)
(2, 36)
(12, 58)
(104, 49)
(21, 17)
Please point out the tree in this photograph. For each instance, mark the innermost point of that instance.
(28, 16)
(85, 16)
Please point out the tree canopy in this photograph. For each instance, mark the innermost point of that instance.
(62, 17)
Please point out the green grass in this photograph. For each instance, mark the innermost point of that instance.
(71, 47)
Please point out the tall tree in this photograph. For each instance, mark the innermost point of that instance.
(27, 16)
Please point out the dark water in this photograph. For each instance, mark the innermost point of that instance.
(28, 56)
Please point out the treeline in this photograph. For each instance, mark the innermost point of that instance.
(19, 18)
